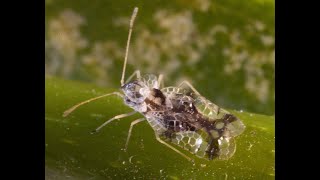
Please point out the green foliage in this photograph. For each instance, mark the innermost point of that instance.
(73, 153)
(225, 47)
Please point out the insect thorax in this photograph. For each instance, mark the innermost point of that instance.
(137, 91)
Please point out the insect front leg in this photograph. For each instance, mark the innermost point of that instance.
(135, 73)
(67, 112)
(176, 150)
(112, 119)
(130, 129)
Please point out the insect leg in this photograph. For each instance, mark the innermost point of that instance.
(188, 84)
(135, 73)
(129, 133)
(112, 119)
(176, 150)
(67, 112)
(213, 148)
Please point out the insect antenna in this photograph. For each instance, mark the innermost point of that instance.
(134, 14)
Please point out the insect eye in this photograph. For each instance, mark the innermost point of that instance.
(136, 95)
(127, 100)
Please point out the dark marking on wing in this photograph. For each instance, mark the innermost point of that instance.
(213, 148)
(158, 94)
(184, 116)
(156, 100)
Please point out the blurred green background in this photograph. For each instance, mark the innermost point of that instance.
(224, 48)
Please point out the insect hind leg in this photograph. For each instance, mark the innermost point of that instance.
(130, 130)
(213, 148)
(189, 85)
(112, 119)
(176, 150)
(70, 110)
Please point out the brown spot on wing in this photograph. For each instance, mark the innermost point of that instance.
(159, 96)
(156, 100)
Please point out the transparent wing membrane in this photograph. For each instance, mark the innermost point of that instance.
(213, 130)
(194, 142)
(227, 147)
(173, 91)
(150, 80)
(232, 125)
(199, 144)
(207, 108)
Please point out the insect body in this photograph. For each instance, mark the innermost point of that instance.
(178, 115)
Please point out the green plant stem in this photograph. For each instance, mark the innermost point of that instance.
(72, 152)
